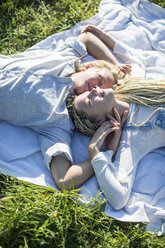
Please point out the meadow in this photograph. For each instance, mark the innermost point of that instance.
(39, 217)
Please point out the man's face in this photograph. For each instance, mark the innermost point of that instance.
(87, 80)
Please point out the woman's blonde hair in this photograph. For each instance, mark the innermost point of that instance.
(133, 90)
(142, 91)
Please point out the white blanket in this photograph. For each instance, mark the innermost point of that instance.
(141, 25)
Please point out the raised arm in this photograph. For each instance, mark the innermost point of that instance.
(101, 35)
(97, 48)
(98, 43)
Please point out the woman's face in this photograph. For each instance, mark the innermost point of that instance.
(87, 80)
(95, 103)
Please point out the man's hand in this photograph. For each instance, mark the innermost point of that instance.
(126, 69)
(94, 30)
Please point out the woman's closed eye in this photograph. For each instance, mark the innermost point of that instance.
(100, 80)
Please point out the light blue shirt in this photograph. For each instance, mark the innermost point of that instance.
(33, 89)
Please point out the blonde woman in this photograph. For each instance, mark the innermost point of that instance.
(144, 131)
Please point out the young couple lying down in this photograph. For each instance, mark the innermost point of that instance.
(127, 113)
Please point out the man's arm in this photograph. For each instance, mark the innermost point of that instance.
(69, 176)
(98, 43)
(101, 35)
(97, 48)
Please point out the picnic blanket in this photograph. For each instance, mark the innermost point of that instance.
(140, 25)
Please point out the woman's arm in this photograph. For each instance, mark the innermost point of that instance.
(116, 191)
(116, 177)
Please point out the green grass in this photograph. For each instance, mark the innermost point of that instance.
(33, 216)
(24, 23)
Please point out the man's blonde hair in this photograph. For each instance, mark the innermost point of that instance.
(100, 64)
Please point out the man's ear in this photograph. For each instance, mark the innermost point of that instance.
(100, 121)
(87, 66)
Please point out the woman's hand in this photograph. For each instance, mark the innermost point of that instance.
(110, 131)
(113, 139)
(99, 137)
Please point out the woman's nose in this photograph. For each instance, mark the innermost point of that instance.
(94, 91)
